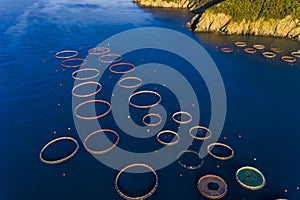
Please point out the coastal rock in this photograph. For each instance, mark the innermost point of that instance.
(294, 33)
(225, 24)
(287, 27)
(162, 3)
(209, 22)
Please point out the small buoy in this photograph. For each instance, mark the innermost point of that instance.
(60, 84)
(225, 137)
(218, 166)
(58, 104)
(54, 132)
(64, 174)
(69, 128)
(180, 174)
(285, 190)
(193, 105)
(254, 158)
(297, 188)
(240, 136)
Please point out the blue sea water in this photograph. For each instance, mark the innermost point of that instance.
(263, 103)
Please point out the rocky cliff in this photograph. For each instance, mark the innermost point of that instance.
(164, 3)
(221, 23)
(225, 24)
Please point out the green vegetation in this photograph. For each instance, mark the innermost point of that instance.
(255, 9)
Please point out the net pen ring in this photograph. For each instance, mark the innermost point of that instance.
(58, 54)
(144, 92)
(52, 162)
(200, 127)
(182, 113)
(210, 147)
(86, 83)
(94, 117)
(145, 196)
(97, 132)
(84, 70)
(168, 143)
(152, 115)
(84, 62)
(119, 58)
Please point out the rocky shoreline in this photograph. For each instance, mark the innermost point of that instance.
(162, 3)
(222, 23)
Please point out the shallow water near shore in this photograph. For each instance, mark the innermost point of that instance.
(263, 110)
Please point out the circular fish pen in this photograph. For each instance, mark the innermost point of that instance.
(259, 46)
(83, 62)
(289, 59)
(169, 137)
(61, 55)
(120, 82)
(144, 92)
(118, 58)
(269, 54)
(250, 178)
(202, 133)
(212, 186)
(75, 74)
(132, 67)
(93, 151)
(296, 54)
(86, 83)
(276, 49)
(92, 117)
(219, 157)
(98, 51)
(186, 156)
(152, 115)
(52, 162)
(142, 196)
(250, 50)
(226, 50)
(240, 44)
(179, 121)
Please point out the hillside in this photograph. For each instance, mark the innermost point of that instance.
(255, 9)
(280, 18)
